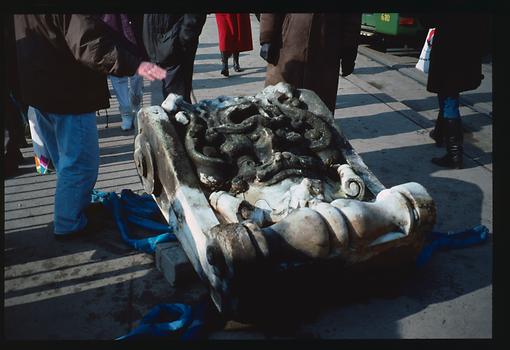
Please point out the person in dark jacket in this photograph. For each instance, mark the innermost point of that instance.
(13, 118)
(63, 63)
(234, 34)
(306, 50)
(171, 41)
(460, 42)
(128, 90)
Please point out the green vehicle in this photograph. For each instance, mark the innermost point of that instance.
(391, 26)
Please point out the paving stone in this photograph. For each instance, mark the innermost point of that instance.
(174, 264)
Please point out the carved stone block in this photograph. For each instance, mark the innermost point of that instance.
(259, 185)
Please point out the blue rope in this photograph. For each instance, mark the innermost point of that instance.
(186, 322)
(141, 211)
(164, 320)
(452, 240)
(176, 320)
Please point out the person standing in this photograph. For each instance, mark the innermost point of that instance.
(234, 33)
(306, 50)
(460, 42)
(13, 119)
(129, 90)
(63, 64)
(171, 41)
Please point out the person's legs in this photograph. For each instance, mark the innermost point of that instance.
(237, 67)
(121, 87)
(452, 129)
(224, 63)
(437, 134)
(72, 142)
(173, 82)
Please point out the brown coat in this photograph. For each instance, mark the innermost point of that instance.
(64, 59)
(312, 47)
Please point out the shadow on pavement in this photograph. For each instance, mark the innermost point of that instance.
(237, 79)
(356, 100)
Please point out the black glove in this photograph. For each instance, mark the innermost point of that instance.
(269, 52)
(348, 60)
(347, 67)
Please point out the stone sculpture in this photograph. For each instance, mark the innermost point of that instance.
(258, 184)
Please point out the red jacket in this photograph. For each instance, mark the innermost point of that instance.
(234, 32)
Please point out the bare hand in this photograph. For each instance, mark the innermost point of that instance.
(151, 71)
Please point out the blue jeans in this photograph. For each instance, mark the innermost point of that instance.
(129, 92)
(72, 143)
(449, 106)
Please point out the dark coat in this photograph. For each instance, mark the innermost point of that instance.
(131, 26)
(13, 120)
(234, 32)
(64, 60)
(168, 38)
(460, 42)
(312, 47)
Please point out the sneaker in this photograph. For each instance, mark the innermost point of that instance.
(127, 122)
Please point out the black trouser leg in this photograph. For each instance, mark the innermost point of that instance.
(454, 145)
(179, 78)
(437, 134)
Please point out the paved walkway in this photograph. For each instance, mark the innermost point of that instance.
(99, 288)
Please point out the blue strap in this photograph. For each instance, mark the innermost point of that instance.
(185, 322)
(196, 329)
(138, 210)
(162, 320)
(452, 240)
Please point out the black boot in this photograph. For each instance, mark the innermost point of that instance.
(224, 61)
(237, 67)
(437, 134)
(454, 145)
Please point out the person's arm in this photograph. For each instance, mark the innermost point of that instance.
(97, 46)
(271, 36)
(271, 27)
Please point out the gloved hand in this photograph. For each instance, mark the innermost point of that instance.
(347, 67)
(348, 59)
(269, 52)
